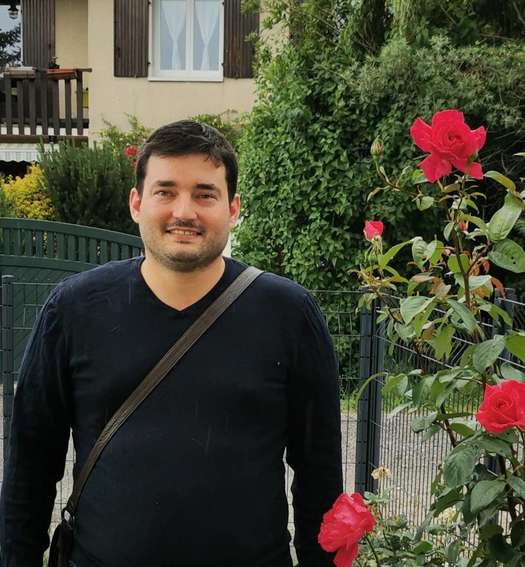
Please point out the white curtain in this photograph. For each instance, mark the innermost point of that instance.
(207, 13)
(174, 14)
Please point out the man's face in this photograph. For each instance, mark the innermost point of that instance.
(184, 214)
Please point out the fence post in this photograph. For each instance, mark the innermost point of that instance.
(7, 331)
(371, 354)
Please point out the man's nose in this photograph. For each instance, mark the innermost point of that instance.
(183, 208)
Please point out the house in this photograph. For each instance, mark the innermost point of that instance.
(160, 60)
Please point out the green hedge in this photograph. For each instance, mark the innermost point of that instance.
(305, 153)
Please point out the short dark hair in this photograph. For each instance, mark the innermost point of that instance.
(187, 137)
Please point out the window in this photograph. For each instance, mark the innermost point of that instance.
(187, 40)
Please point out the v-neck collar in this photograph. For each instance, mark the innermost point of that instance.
(198, 305)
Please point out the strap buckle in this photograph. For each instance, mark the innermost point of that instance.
(67, 517)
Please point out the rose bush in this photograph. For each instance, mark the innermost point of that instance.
(503, 407)
(347, 522)
(439, 301)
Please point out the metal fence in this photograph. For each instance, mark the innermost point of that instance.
(371, 435)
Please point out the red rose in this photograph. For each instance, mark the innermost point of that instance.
(463, 226)
(130, 151)
(450, 142)
(343, 526)
(372, 229)
(503, 407)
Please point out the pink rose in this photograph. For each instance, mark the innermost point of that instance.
(503, 407)
(343, 526)
(450, 142)
(372, 229)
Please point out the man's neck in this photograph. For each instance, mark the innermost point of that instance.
(181, 289)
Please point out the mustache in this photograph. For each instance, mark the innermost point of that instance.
(184, 224)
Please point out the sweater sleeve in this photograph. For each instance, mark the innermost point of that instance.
(38, 442)
(314, 443)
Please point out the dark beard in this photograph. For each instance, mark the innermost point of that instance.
(189, 262)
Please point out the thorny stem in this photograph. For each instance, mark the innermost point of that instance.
(459, 250)
(503, 467)
(450, 433)
(369, 541)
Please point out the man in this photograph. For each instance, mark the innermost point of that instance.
(194, 478)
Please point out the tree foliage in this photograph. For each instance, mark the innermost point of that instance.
(305, 153)
(10, 53)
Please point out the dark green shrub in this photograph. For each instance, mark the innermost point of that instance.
(305, 154)
(89, 186)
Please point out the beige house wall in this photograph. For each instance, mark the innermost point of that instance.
(154, 103)
(71, 33)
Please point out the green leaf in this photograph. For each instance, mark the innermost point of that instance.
(500, 549)
(397, 384)
(465, 315)
(430, 432)
(459, 465)
(422, 422)
(512, 373)
(495, 311)
(484, 493)
(476, 282)
(517, 534)
(442, 341)
(504, 219)
(453, 264)
(422, 548)
(447, 231)
(515, 344)
(421, 389)
(419, 247)
(447, 499)
(433, 251)
(493, 445)
(508, 255)
(385, 258)
(412, 306)
(486, 353)
(502, 180)
(463, 428)
(477, 221)
(518, 485)
(423, 203)
(452, 552)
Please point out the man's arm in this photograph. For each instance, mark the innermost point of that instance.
(37, 444)
(314, 445)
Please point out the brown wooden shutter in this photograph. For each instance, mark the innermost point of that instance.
(38, 32)
(131, 38)
(238, 53)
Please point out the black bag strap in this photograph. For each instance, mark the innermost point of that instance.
(155, 376)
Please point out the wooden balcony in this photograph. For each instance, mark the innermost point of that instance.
(42, 105)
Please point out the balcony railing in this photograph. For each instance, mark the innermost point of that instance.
(42, 105)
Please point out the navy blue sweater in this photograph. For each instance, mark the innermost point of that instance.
(195, 476)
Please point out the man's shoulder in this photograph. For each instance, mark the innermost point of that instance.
(274, 287)
(101, 278)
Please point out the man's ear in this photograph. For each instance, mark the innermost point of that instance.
(235, 207)
(134, 204)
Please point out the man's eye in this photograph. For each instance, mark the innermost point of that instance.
(161, 193)
(207, 196)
